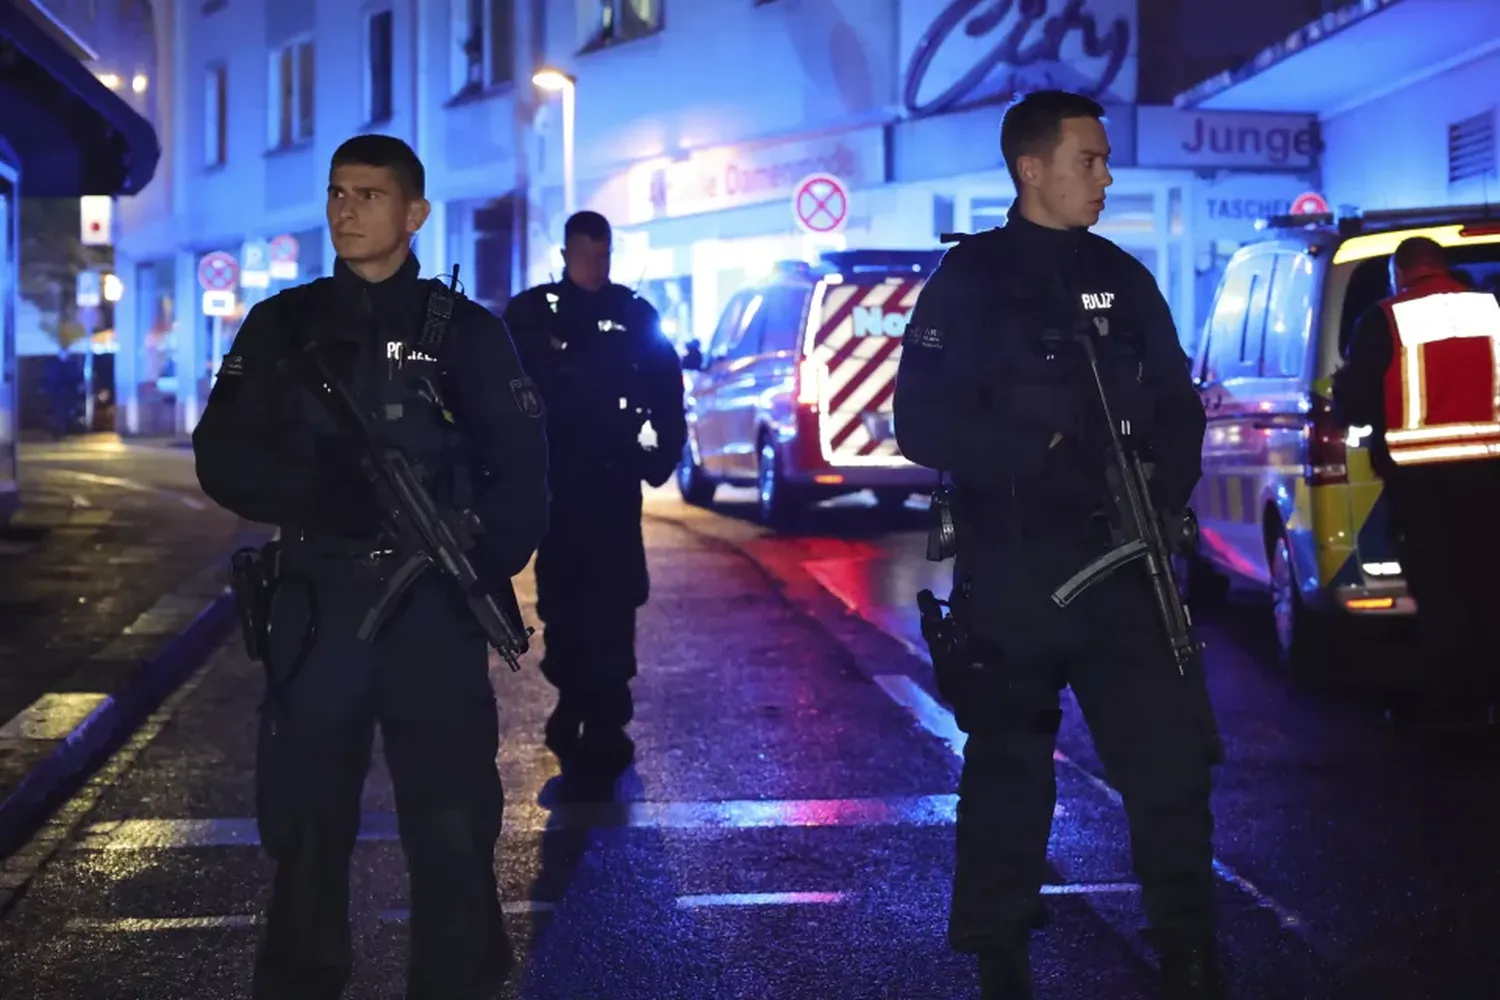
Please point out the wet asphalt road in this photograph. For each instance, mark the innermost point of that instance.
(787, 830)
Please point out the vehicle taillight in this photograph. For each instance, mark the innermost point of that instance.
(1327, 452)
(809, 382)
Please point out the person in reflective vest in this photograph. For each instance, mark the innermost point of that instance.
(1421, 372)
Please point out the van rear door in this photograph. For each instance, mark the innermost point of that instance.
(854, 336)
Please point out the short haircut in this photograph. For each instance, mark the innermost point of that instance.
(588, 224)
(375, 150)
(1033, 125)
(1419, 253)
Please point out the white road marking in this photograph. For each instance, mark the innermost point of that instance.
(133, 486)
(938, 721)
(159, 925)
(927, 810)
(759, 899)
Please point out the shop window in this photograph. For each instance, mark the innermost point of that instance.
(603, 23)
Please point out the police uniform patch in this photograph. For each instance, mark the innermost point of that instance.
(232, 365)
(527, 398)
(924, 336)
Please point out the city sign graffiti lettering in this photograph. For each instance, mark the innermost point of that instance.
(1026, 33)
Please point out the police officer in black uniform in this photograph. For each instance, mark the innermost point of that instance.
(268, 451)
(1012, 417)
(596, 350)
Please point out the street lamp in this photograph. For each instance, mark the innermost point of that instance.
(555, 81)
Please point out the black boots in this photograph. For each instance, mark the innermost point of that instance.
(1190, 971)
(1005, 974)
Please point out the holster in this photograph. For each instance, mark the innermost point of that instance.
(252, 579)
(955, 665)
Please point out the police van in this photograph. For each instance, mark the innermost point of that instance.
(793, 394)
(1288, 502)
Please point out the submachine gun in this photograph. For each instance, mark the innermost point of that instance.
(1138, 531)
(425, 536)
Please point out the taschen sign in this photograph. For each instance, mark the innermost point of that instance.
(722, 177)
(963, 52)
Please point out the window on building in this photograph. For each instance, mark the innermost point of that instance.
(215, 116)
(380, 92)
(483, 36)
(609, 22)
(292, 97)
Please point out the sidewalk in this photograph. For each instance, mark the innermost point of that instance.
(111, 589)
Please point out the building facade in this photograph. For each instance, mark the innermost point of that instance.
(1405, 100)
(718, 137)
(63, 134)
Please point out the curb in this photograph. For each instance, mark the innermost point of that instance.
(110, 723)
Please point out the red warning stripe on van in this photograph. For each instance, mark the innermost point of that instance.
(860, 361)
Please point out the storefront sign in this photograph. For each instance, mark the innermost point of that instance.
(1229, 208)
(960, 52)
(733, 176)
(1173, 137)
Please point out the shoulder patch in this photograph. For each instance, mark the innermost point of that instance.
(926, 337)
(528, 399)
(232, 364)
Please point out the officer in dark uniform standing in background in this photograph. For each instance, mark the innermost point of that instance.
(268, 451)
(1420, 372)
(596, 350)
(1014, 422)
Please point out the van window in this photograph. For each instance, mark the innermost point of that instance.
(781, 316)
(1288, 318)
(730, 327)
(743, 340)
(1226, 328)
(1253, 334)
(1476, 264)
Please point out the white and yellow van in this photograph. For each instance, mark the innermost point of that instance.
(1288, 501)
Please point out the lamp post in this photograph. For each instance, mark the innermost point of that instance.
(555, 81)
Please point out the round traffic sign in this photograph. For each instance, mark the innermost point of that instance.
(284, 248)
(821, 203)
(218, 272)
(1310, 203)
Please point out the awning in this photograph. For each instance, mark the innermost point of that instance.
(1355, 54)
(72, 134)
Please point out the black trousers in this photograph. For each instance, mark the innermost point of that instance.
(1153, 733)
(425, 681)
(590, 659)
(1448, 541)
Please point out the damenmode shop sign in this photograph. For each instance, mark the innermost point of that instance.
(957, 53)
(722, 177)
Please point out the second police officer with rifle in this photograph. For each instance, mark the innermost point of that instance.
(437, 383)
(992, 392)
(605, 370)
